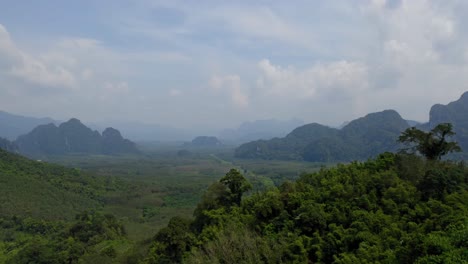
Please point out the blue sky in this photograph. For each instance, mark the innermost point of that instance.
(215, 64)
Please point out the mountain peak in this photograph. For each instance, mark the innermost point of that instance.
(464, 96)
(73, 137)
(111, 132)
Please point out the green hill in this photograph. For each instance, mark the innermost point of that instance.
(394, 209)
(287, 148)
(43, 190)
(360, 139)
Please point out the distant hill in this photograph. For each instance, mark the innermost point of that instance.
(287, 148)
(413, 123)
(72, 137)
(12, 126)
(204, 141)
(39, 189)
(456, 113)
(360, 139)
(137, 131)
(7, 145)
(259, 129)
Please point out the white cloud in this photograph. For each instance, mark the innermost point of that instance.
(326, 61)
(231, 85)
(38, 73)
(319, 79)
(29, 68)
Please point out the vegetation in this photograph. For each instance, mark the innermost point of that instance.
(359, 140)
(455, 114)
(38, 189)
(432, 145)
(397, 208)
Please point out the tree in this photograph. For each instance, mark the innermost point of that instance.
(237, 185)
(433, 144)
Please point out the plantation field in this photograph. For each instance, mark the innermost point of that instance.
(161, 184)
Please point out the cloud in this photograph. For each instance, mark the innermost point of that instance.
(318, 80)
(231, 85)
(31, 69)
(325, 61)
(260, 23)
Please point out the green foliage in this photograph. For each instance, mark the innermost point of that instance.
(236, 184)
(94, 227)
(372, 212)
(90, 237)
(454, 113)
(39, 189)
(433, 144)
(171, 242)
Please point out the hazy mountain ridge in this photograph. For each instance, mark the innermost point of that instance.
(73, 137)
(287, 148)
(9, 146)
(455, 113)
(359, 139)
(204, 141)
(259, 129)
(137, 131)
(12, 125)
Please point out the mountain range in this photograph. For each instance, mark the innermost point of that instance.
(72, 137)
(359, 139)
(9, 146)
(12, 126)
(259, 129)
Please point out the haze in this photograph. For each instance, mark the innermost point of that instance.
(215, 64)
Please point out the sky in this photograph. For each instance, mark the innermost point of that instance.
(215, 64)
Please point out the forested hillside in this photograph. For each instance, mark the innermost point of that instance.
(397, 208)
(47, 214)
(394, 209)
(359, 140)
(37, 189)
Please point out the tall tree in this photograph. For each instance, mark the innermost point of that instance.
(433, 144)
(237, 185)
